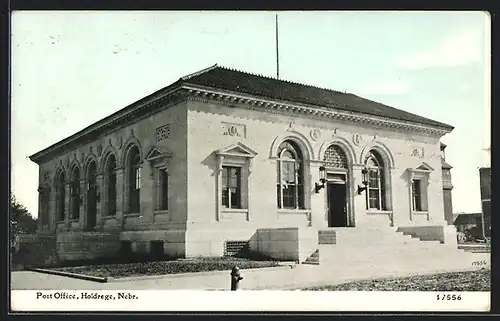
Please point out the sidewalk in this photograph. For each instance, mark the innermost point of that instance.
(300, 276)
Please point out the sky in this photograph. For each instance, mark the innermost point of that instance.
(71, 69)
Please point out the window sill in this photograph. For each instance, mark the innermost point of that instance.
(73, 220)
(108, 217)
(379, 212)
(160, 212)
(293, 211)
(420, 212)
(59, 222)
(234, 210)
(132, 215)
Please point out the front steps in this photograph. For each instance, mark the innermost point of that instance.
(376, 246)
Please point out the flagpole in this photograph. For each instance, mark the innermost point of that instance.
(277, 51)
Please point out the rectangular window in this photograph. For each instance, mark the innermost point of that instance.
(163, 190)
(417, 195)
(374, 195)
(231, 187)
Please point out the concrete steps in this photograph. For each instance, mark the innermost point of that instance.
(313, 259)
(377, 246)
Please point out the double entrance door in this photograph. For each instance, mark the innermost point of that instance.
(336, 198)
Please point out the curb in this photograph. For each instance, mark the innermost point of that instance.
(192, 274)
(71, 275)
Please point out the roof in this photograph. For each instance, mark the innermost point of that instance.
(467, 218)
(230, 80)
(257, 85)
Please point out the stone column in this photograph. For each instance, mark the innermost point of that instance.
(67, 212)
(100, 201)
(52, 209)
(82, 202)
(120, 199)
(359, 210)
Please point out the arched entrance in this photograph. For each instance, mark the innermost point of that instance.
(337, 187)
(91, 196)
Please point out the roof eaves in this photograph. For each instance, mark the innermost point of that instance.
(191, 85)
(197, 73)
(108, 119)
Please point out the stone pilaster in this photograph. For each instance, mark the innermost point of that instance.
(40, 210)
(318, 200)
(360, 213)
(52, 209)
(82, 202)
(67, 212)
(120, 199)
(99, 201)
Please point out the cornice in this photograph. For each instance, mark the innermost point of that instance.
(209, 95)
(177, 92)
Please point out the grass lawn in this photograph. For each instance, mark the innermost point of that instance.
(478, 280)
(167, 267)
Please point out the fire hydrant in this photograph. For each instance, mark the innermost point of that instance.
(235, 278)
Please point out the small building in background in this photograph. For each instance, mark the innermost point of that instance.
(468, 221)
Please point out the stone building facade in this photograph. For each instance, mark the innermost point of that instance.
(447, 187)
(222, 157)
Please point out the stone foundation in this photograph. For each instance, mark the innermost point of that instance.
(290, 244)
(173, 241)
(446, 234)
(87, 245)
(35, 250)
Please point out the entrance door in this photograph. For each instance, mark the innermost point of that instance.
(337, 205)
(91, 197)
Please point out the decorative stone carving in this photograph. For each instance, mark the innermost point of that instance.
(375, 137)
(335, 131)
(163, 132)
(290, 126)
(335, 157)
(110, 143)
(357, 139)
(315, 133)
(418, 152)
(99, 150)
(231, 129)
(74, 156)
(82, 157)
(46, 175)
(90, 149)
(67, 162)
(120, 142)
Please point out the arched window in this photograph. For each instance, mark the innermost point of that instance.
(134, 180)
(75, 193)
(290, 183)
(111, 185)
(375, 196)
(60, 197)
